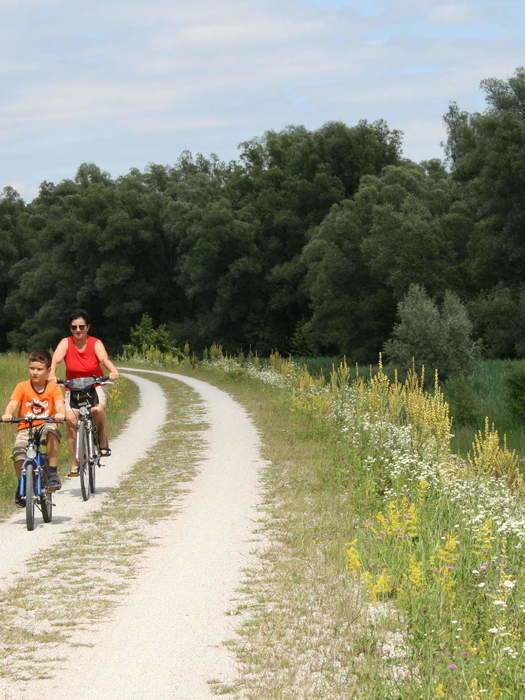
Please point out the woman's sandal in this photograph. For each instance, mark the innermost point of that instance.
(105, 451)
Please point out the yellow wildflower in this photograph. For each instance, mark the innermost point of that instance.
(440, 691)
(354, 561)
(383, 586)
(415, 573)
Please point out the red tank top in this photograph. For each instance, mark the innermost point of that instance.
(82, 364)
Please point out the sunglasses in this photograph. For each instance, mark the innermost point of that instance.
(80, 327)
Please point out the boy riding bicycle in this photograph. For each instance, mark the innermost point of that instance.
(38, 397)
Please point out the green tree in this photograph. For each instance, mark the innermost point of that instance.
(11, 250)
(488, 157)
(405, 226)
(289, 181)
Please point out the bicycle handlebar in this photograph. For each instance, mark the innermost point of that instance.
(30, 418)
(88, 381)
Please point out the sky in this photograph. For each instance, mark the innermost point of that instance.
(125, 83)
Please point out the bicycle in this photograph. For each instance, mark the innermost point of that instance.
(33, 478)
(87, 450)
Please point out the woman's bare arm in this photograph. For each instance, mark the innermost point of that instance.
(103, 358)
(58, 357)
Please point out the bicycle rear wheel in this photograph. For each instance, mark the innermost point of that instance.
(30, 496)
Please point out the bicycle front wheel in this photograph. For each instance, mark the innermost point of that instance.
(83, 460)
(30, 496)
(93, 462)
(92, 475)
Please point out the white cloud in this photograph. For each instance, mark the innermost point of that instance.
(454, 13)
(206, 75)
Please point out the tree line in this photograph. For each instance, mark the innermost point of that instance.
(307, 243)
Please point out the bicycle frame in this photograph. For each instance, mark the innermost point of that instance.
(85, 423)
(36, 459)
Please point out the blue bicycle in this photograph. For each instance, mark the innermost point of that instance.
(33, 478)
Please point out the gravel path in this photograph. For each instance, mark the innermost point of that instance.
(166, 638)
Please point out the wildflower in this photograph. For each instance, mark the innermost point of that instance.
(509, 584)
(500, 603)
(452, 667)
(383, 586)
(415, 573)
(352, 554)
(510, 652)
(440, 691)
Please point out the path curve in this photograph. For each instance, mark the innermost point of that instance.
(166, 640)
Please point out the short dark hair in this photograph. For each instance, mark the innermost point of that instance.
(78, 313)
(40, 356)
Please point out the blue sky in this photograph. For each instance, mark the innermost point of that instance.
(123, 84)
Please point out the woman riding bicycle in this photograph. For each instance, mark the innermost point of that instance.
(83, 356)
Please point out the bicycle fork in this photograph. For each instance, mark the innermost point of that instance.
(22, 483)
(85, 447)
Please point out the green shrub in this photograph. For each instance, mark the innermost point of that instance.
(144, 336)
(436, 338)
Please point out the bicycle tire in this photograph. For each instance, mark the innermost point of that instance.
(83, 460)
(46, 506)
(30, 496)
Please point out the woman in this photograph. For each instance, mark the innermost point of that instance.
(83, 356)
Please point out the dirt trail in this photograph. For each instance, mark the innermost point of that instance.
(165, 640)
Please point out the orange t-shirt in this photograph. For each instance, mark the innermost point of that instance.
(37, 403)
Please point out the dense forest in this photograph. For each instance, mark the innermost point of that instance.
(306, 244)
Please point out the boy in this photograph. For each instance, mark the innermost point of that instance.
(40, 398)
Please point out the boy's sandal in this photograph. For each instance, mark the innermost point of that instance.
(105, 451)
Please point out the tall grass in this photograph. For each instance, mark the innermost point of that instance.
(485, 393)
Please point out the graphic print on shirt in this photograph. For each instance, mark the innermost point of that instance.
(38, 407)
